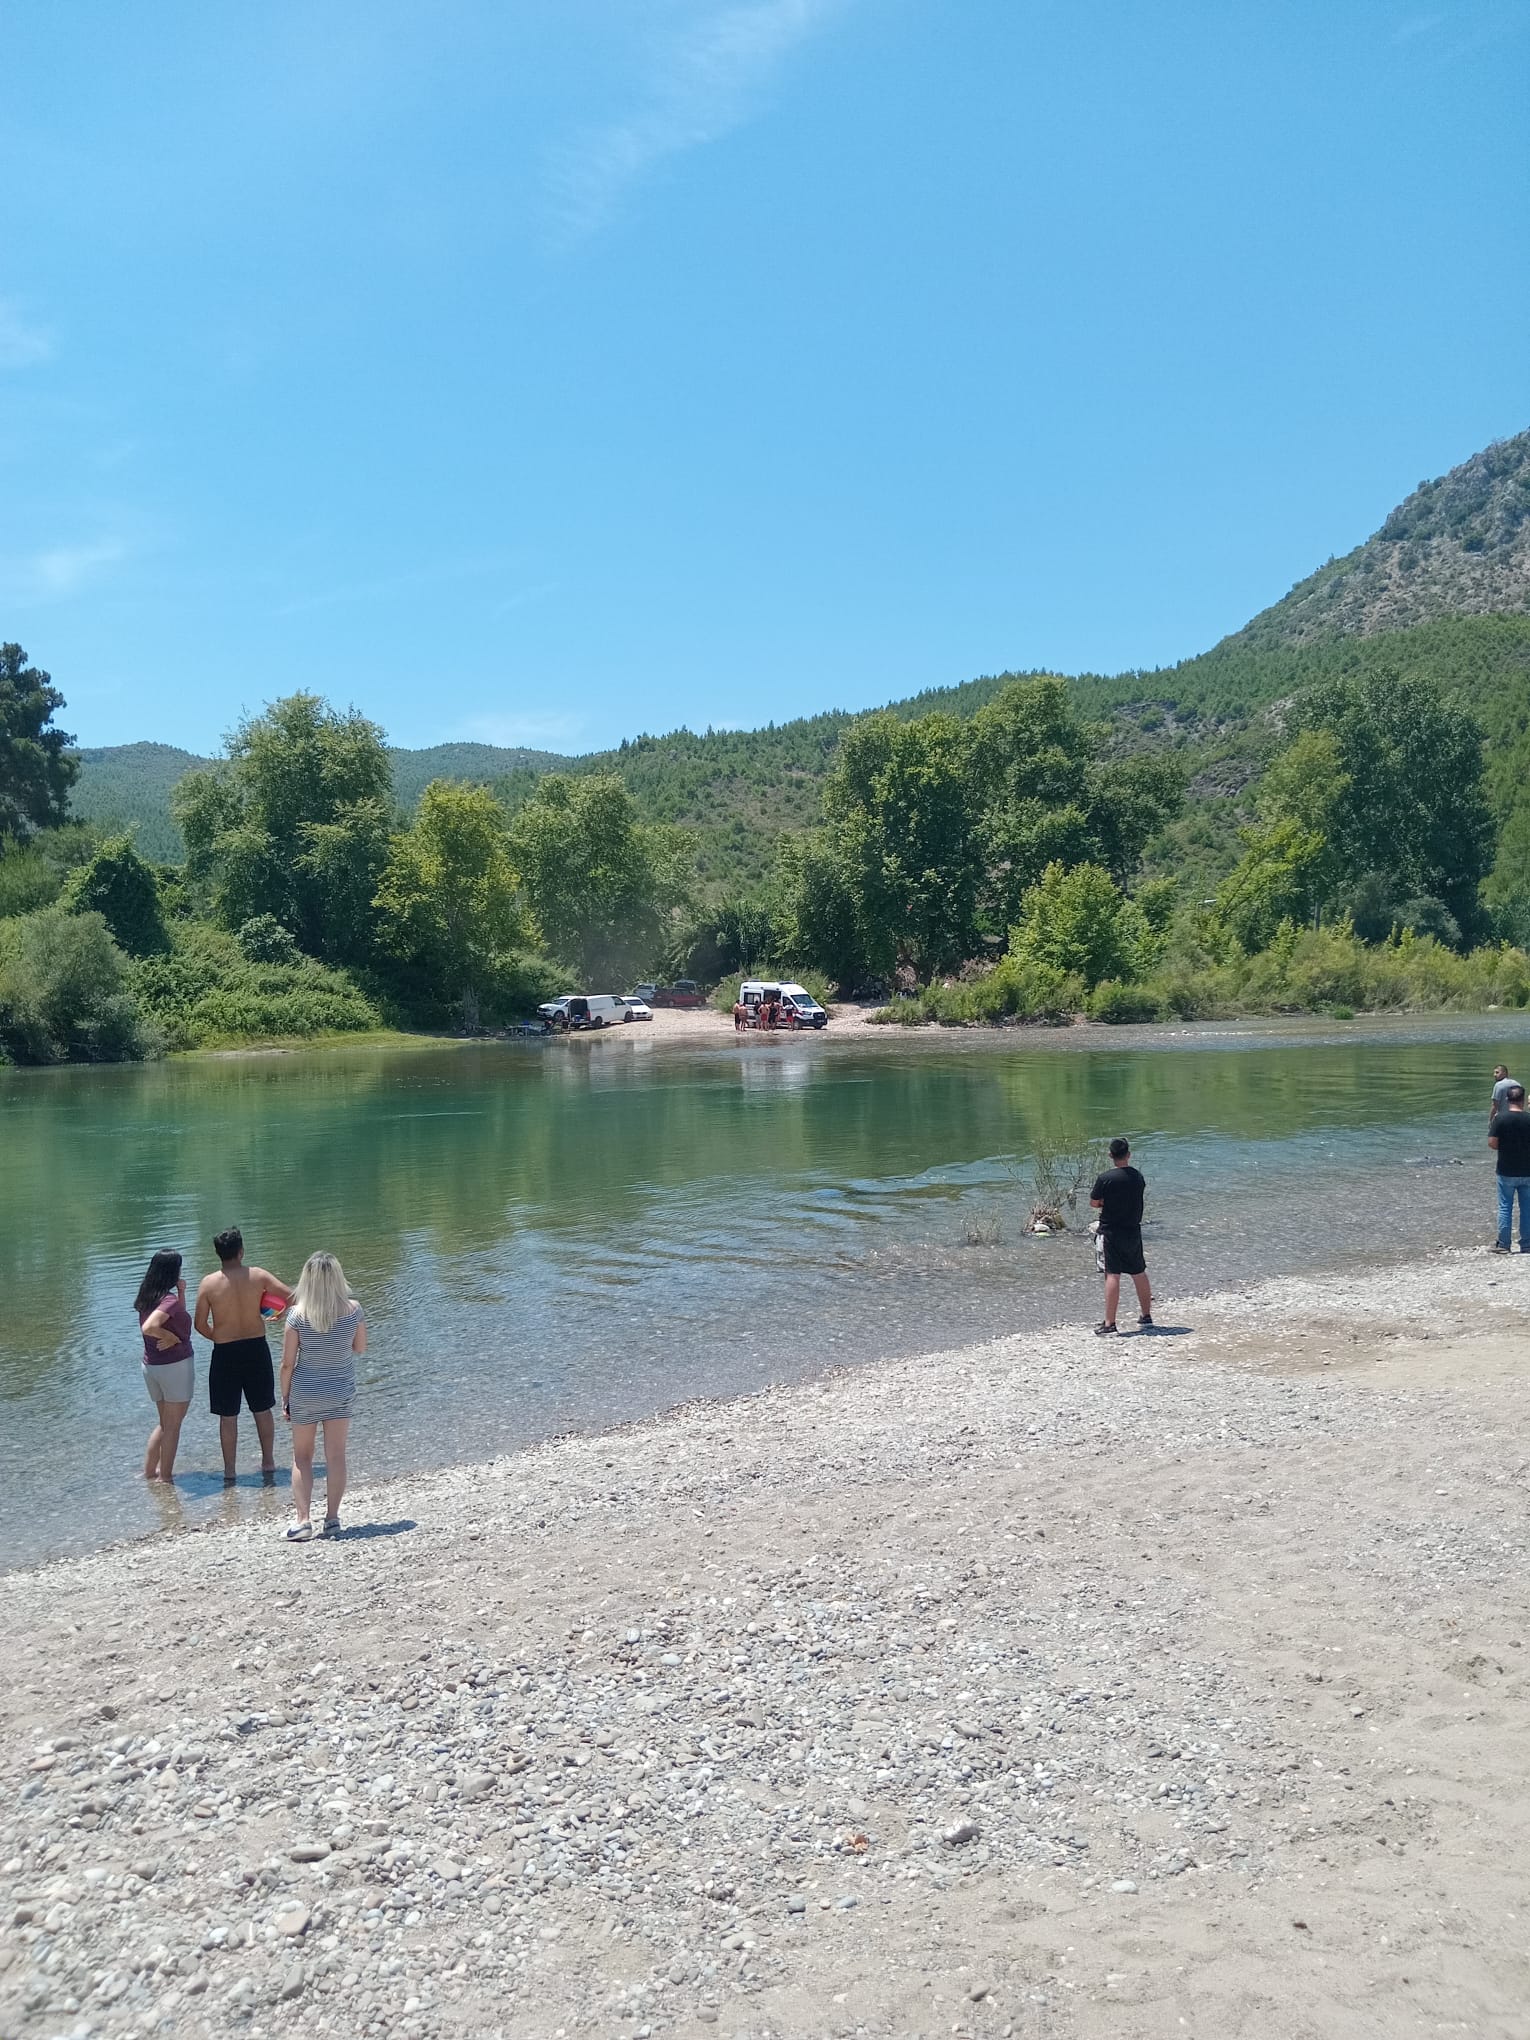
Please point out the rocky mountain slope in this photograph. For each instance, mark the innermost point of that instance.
(1458, 546)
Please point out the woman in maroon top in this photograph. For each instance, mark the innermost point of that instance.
(169, 1366)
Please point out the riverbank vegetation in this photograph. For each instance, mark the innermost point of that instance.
(1023, 849)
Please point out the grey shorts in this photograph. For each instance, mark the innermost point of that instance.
(170, 1380)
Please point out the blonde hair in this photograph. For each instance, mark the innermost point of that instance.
(323, 1295)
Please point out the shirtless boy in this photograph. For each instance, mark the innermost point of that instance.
(228, 1313)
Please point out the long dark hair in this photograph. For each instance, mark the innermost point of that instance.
(164, 1273)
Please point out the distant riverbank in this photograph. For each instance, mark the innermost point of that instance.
(1036, 1685)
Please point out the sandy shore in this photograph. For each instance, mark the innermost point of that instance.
(1047, 1688)
(671, 1023)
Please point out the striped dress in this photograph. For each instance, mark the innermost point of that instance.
(324, 1379)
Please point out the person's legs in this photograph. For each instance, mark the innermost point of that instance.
(1144, 1291)
(1521, 1189)
(336, 1434)
(1112, 1297)
(1505, 1213)
(151, 1456)
(303, 1436)
(265, 1431)
(172, 1415)
(228, 1438)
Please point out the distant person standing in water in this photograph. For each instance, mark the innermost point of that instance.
(326, 1329)
(228, 1313)
(1509, 1138)
(169, 1358)
(1117, 1196)
(1503, 1083)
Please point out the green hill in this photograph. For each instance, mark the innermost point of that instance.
(1441, 590)
(127, 786)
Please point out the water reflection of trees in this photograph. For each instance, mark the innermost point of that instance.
(393, 1159)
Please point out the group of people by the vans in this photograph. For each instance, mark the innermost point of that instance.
(761, 1003)
(325, 1331)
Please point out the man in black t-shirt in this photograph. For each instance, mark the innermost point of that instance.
(1117, 1197)
(1509, 1137)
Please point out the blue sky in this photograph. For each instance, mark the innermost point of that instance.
(549, 370)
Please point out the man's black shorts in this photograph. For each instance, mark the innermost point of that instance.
(241, 1367)
(1121, 1251)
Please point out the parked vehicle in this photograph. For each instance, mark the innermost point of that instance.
(636, 1008)
(577, 1011)
(648, 993)
(683, 992)
(764, 1003)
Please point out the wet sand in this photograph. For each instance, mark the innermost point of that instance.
(1053, 1686)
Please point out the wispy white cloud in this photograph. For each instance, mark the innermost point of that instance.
(705, 82)
(523, 732)
(411, 580)
(22, 344)
(54, 572)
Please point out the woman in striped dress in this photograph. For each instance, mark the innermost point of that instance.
(326, 1329)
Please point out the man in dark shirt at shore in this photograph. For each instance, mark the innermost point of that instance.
(1117, 1197)
(1509, 1137)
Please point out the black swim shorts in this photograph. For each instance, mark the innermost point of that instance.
(241, 1367)
(1121, 1251)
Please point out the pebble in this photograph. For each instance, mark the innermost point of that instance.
(558, 1795)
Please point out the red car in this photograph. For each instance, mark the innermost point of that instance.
(683, 992)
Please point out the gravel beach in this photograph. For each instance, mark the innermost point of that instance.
(1051, 1687)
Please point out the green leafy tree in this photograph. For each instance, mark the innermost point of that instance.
(296, 823)
(602, 885)
(63, 992)
(1047, 799)
(1031, 770)
(1130, 800)
(1077, 922)
(1412, 807)
(448, 897)
(119, 886)
(905, 835)
(818, 917)
(1274, 882)
(36, 770)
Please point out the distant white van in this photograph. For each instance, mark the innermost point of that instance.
(794, 1003)
(576, 1011)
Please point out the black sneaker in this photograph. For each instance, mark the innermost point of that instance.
(1145, 1324)
(1104, 1331)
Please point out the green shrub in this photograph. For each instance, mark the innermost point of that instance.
(205, 991)
(29, 880)
(263, 939)
(64, 993)
(1122, 1005)
(120, 887)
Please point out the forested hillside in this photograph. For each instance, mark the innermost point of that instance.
(1450, 569)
